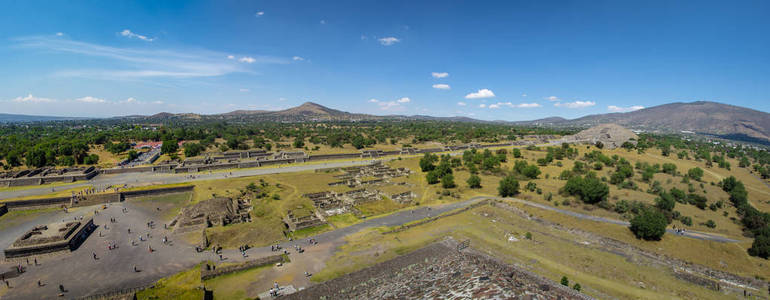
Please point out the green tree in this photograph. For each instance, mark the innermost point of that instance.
(474, 182)
(169, 146)
(426, 162)
(649, 225)
(695, 173)
(516, 153)
(36, 158)
(564, 281)
(509, 186)
(669, 168)
(432, 177)
(448, 181)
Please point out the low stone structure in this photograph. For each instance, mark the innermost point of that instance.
(440, 271)
(294, 223)
(208, 271)
(213, 212)
(53, 237)
(46, 175)
(405, 197)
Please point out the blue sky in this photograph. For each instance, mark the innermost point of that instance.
(507, 60)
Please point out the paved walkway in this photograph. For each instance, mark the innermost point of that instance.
(82, 275)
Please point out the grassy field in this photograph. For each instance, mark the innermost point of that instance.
(551, 253)
(182, 286)
(16, 217)
(234, 286)
(170, 204)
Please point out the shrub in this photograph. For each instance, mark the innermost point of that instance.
(710, 224)
(576, 287)
(649, 225)
(686, 220)
(589, 189)
(621, 207)
(432, 177)
(474, 182)
(564, 281)
(169, 146)
(695, 173)
(760, 247)
(448, 181)
(509, 186)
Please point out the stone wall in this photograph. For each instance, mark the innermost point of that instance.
(71, 243)
(207, 272)
(158, 191)
(94, 199)
(333, 156)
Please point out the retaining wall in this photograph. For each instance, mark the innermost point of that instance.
(94, 199)
(333, 156)
(208, 274)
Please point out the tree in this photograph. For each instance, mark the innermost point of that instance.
(589, 189)
(760, 247)
(432, 177)
(91, 159)
(577, 287)
(192, 149)
(665, 202)
(649, 225)
(509, 186)
(669, 168)
(564, 281)
(426, 162)
(36, 158)
(531, 171)
(516, 153)
(132, 155)
(448, 181)
(474, 182)
(299, 142)
(695, 173)
(169, 146)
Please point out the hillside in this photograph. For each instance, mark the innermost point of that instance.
(12, 118)
(710, 118)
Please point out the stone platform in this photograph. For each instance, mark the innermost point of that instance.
(54, 237)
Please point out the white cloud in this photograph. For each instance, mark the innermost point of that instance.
(131, 63)
(461, 103)
(129, 100)
(552, 98)
(439, 74)
(32, 99)
(59, 34)
(127, 33)
(614, 108)
(89, 99)
(247, 59)
(511, 105)
(323, 22)
(157, 102)
(244, 90)
(482, 105)
(528, 105)
(576, 104)
(260, 13)
(230, 57)
(404, 100)
(297, 58)
(441, 86)
(480, 94)
(373, 100)
(523, 95)
(391, 105)
(387, 41)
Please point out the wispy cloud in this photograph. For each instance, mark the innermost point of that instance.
(140, 63)
(387, 41)
(32, 99)
(391, 105)
(480, 94)
(511, 105)
(89, 99)
(576, 104)
(482, 105)
(247, 59)
(127, 33)
(552, 98)
(614, 108)
(323, 22)
(404, 100)
(297, 58)
(461, 103)
(244, 90)
(441, 86)
(59, 34)
(259, 14)
(439, 74)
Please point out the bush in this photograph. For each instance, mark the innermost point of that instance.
(622, 207)
(760, 247)
(516, 153)
(564, 281)
(432, 177)
(686, 220)
(589, 189)
(710, 224)
(649, 225)
(474, 182)
(695, 173)
(169, 146)
(448, 181)
(576, 287)
(509, 186)
(91, 159)
(276, 197)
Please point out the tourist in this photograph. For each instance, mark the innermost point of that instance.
(61, 288)
(94, 254)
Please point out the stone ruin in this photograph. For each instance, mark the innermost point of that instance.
(219, 211)
(295, 223)
(332, 203)
(403, 198)
(53, 237)
(442, 270)
(375, 173)
(610, 135)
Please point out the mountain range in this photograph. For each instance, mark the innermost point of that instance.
(701, 117)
